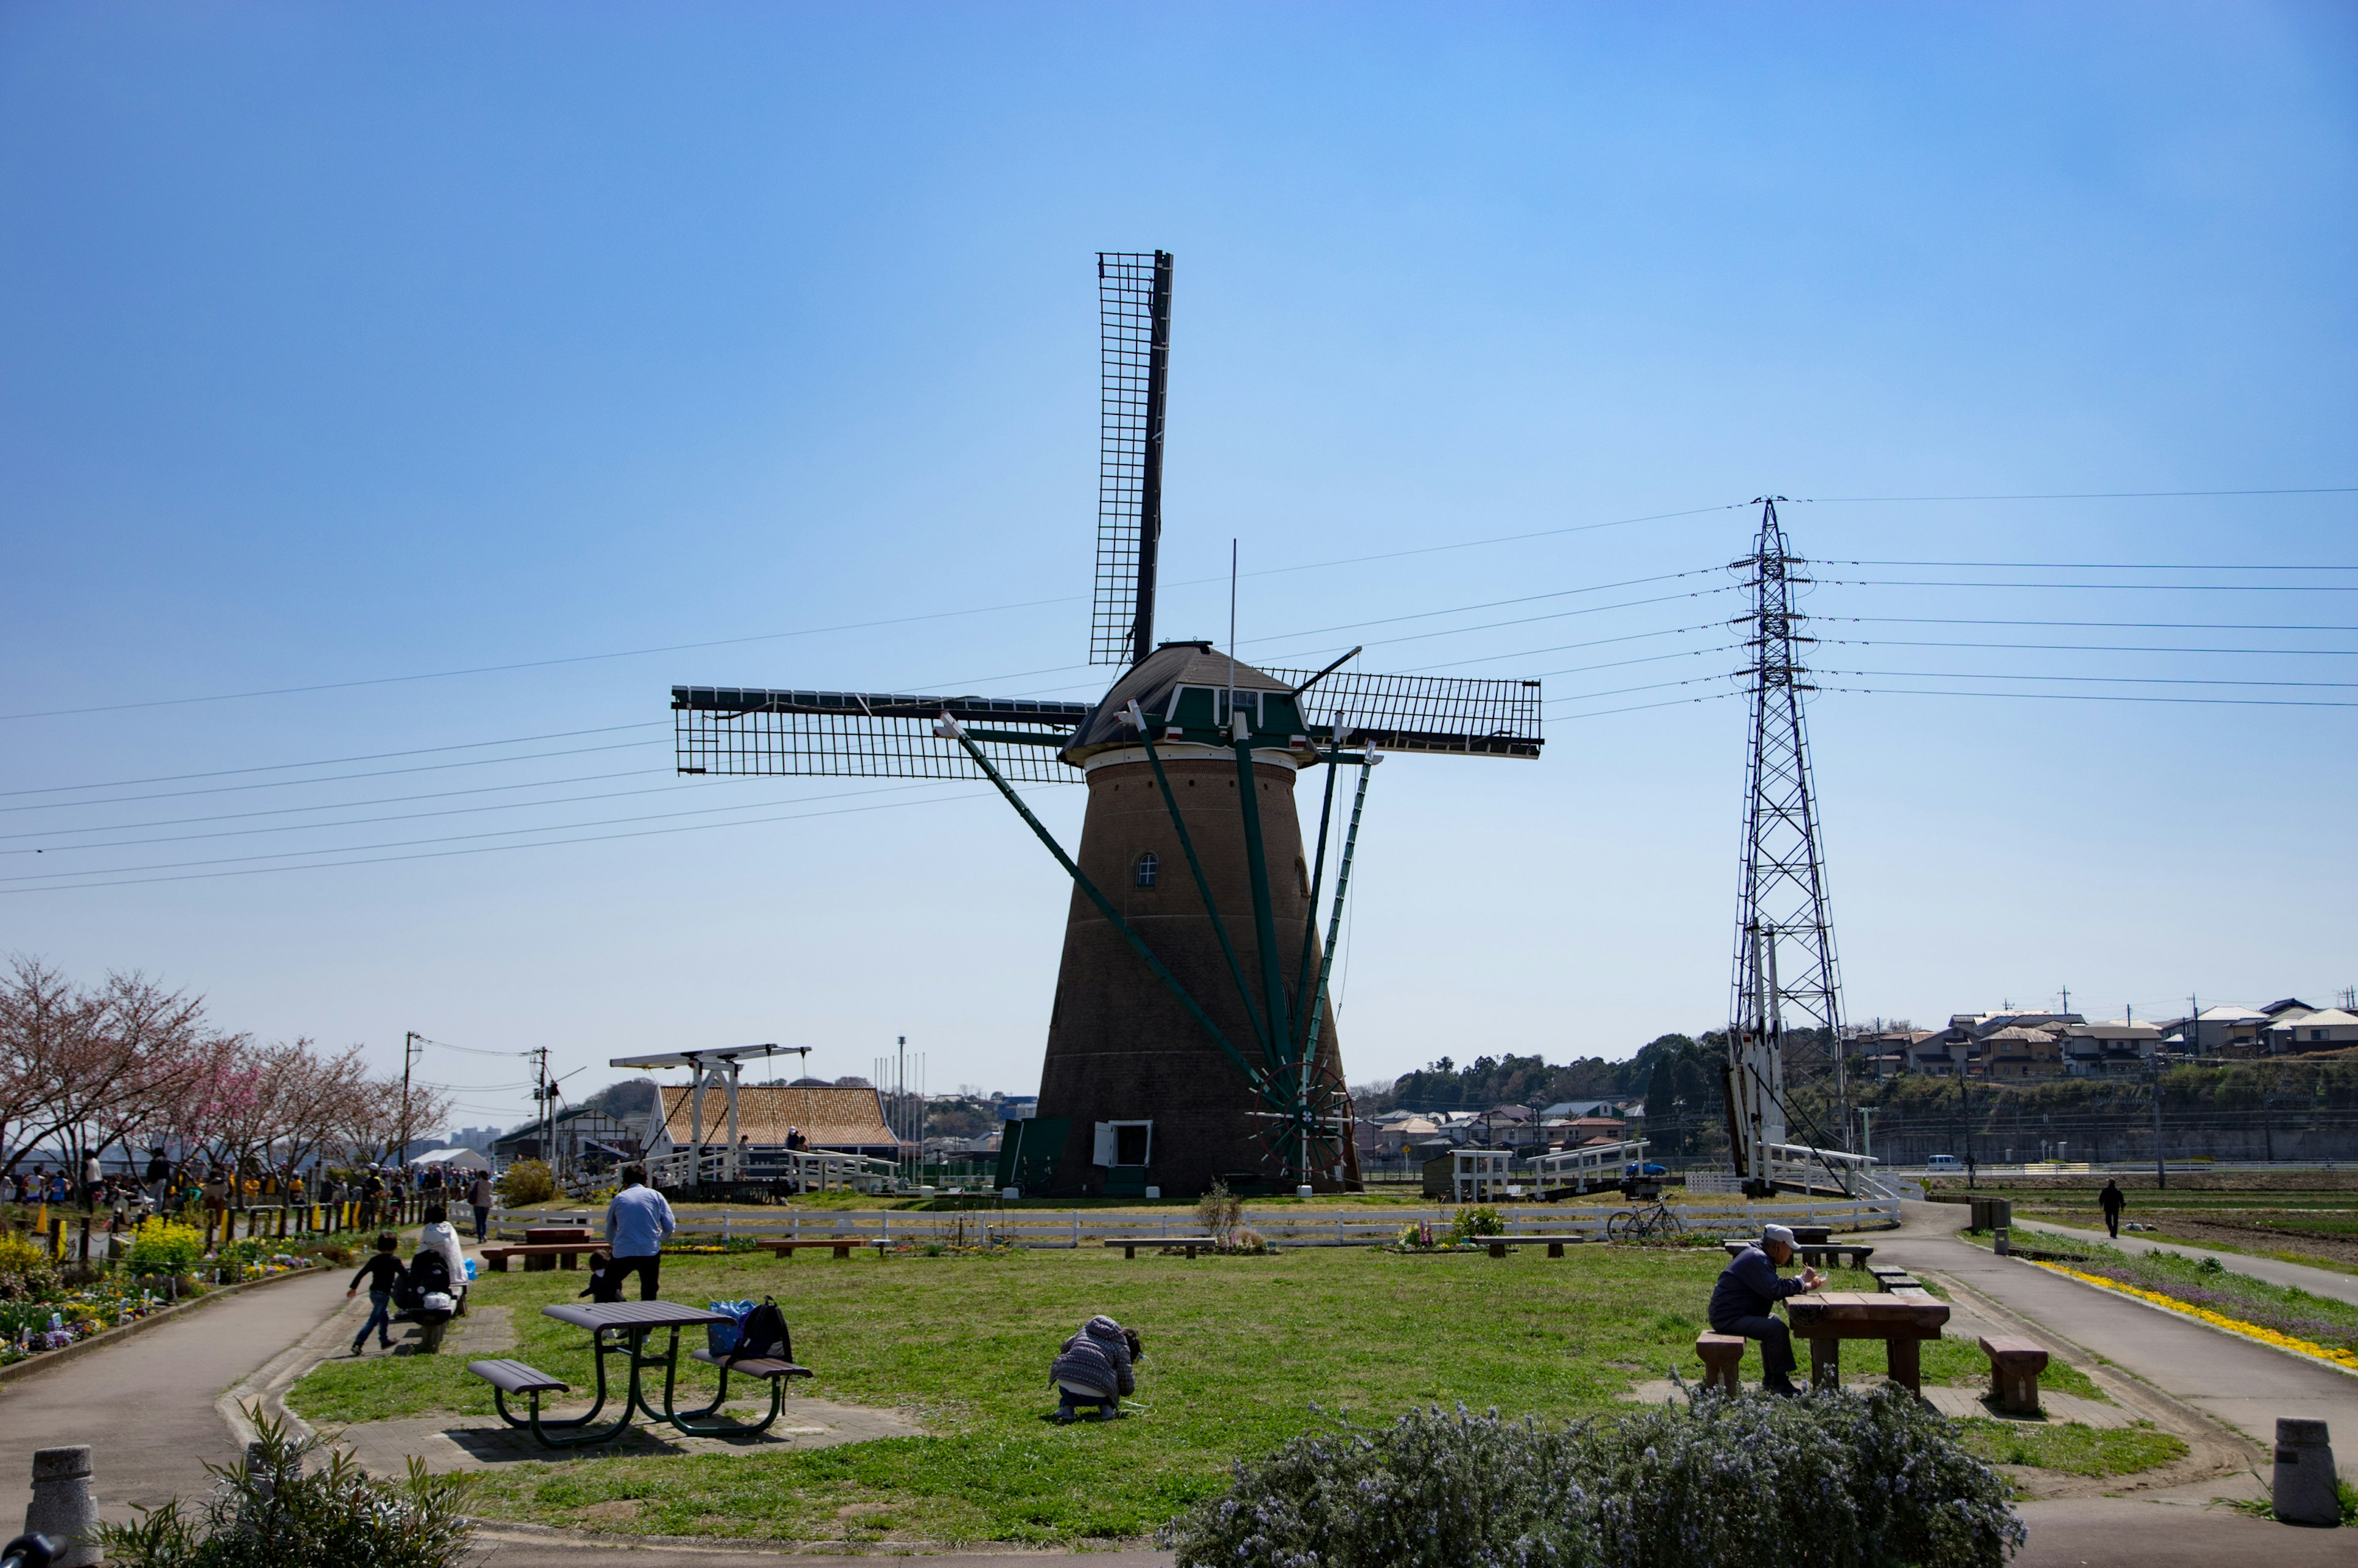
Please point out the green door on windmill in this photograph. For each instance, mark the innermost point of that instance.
(1030, 1151)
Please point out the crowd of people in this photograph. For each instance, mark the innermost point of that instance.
(203, 1191)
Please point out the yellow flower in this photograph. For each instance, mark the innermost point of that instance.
(2234, 1325)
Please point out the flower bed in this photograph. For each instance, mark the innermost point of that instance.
(2302, 1333)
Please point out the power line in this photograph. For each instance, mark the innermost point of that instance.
(2086, 625)
(1565, 647)
(2124, 680)
(451, 838)
(2083, 647)
(477, 850)
(335, 761)
(326, 805)
(2086, 495)
(340, 778)
(2095, 565)
(2093, 697)
(2107, 587)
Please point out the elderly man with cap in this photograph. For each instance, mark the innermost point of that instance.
(1748, 1287)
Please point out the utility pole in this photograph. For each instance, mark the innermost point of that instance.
(2067, 1000)
(547, 1112)
(410, 1046)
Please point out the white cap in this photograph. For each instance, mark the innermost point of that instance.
(1776, 1233)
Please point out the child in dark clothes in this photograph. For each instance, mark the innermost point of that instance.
(605, 1286)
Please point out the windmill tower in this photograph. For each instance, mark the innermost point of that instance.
(1192, 1036)
(1785, 974)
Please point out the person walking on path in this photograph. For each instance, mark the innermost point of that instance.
(480, 1196)
(382, 1271)
(372, 1198)
(159, 1179)
(636, 1223)
(1748, 1287)
(2112, 1202)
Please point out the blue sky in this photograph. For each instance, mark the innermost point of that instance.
(343, 343)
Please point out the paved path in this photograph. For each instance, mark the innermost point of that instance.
(2275, 1270)
(145, 1406)
(2239, 1383)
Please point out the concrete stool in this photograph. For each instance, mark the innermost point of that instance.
(2015, 1365)
(2303, 1483)
(1720, 1354)
(63, 1509)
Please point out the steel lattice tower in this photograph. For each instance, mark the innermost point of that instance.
(1786, 1002)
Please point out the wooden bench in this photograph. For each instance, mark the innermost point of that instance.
(1898, 1283)
(2015, 1365)
(840, 1245)
(1498, 1244)
(497, 1256)
(1721, 1353)
(1130, 1244)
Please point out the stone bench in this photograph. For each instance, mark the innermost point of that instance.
(1721, 1353)
(1898, 1281)
(1130, 1244)
(2015, 1365)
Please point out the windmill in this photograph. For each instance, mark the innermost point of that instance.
(1192, 1036)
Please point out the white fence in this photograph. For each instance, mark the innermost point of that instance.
(1303, 1228)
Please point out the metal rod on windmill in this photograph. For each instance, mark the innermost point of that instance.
(1150, 1081)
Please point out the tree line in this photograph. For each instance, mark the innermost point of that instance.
(126, 1066)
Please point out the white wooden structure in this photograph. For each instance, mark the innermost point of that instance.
(712, 1069)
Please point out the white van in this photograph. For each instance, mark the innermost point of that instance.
(1942, 1163)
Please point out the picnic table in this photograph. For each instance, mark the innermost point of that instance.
(1902, 1321)
(622, 1328)
(1814, 1253)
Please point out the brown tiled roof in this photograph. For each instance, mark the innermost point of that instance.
(829, 1118)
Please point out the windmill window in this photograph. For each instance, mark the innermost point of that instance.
(1148, 866)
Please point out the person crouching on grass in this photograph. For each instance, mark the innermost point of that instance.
(1093, 1369)
(1748, 1287)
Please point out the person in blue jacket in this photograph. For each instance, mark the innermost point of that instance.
(1749, 1288)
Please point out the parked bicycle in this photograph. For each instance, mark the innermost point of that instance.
(1638, 1223)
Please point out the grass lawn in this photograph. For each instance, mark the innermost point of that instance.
(2074, 1449)
(1238, 1351)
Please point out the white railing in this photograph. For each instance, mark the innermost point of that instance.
(1068, 1229)
(807, 1169)
(1584, 1169)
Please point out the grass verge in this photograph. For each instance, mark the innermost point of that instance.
(2070, 1447)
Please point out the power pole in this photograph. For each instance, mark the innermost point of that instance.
(1784, 938)
(410, 1046)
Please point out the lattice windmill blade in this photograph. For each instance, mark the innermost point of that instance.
(1134, 308)
(863, 734)
(1438, 714)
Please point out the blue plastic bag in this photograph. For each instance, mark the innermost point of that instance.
(721, 1338)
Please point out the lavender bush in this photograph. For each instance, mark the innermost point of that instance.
(1834, 1480)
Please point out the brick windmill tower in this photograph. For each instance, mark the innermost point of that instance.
(1192, 1036)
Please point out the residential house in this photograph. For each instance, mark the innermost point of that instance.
(2015, 1052)
(2325, 1029)
(2108, 1049)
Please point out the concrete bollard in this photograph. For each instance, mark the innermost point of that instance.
(62, 1507)
(2303, 1483)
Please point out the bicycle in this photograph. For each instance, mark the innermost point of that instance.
(1638, 1223)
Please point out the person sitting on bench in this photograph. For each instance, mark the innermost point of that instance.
(1093, 1369)
(1748, 1287)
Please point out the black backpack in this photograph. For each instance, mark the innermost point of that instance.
(763, 1336)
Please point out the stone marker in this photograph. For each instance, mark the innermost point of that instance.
(62, 1507)
(2303, 1483)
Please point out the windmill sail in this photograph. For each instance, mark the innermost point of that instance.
(1134, 306)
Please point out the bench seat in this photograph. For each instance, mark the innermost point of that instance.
(497, 1256)
(841, 1245)
(515, 1378)
(1130, 1244)
(753, 1366)
(2015, 1365)
(1720, 1354)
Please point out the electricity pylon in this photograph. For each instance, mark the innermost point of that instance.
(1787, 1003)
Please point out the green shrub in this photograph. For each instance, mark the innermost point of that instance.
(1834, 1480)
(267, 1510)
(1219, 1211)
(528, 1182)
(1473, 1222)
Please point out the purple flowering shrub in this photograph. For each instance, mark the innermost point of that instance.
(1833, 1480)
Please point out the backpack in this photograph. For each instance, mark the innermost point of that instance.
(765, 1336)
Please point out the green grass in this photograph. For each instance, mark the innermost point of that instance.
(1239, 1350)
(2071, 1448)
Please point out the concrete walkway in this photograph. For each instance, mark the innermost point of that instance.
(2236, 1382)
(145, 1406)
(2275, 1270)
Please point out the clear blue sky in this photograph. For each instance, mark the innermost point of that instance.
(340, 343)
